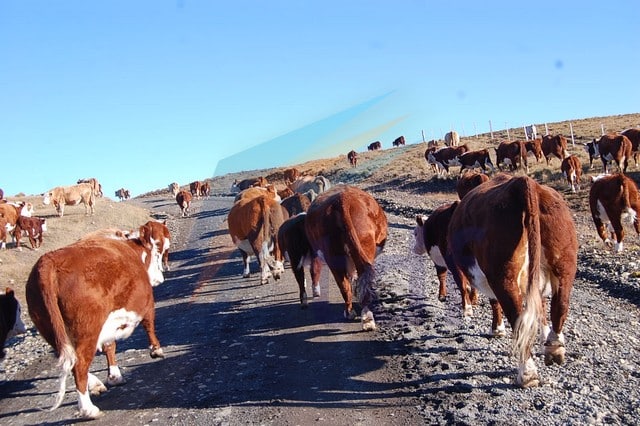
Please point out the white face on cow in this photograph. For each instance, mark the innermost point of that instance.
(418, 235)
(47, 199)
(156, 276)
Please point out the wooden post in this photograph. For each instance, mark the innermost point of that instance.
(602, 127)
(475, 130)
(423, 139)
(526, 135)
(490, 129)
(546, 129)
(573, 140)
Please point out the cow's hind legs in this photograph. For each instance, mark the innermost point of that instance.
(554, 349)
(528, 374)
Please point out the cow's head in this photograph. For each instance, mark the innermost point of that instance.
(418, 234)
(152, 257)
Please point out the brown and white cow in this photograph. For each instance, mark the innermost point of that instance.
(468, 181)
(534, 147)
(471, 160)
(512, 154)
(374, 146)
(291, 174)
(34, 227)
(504, 239)
(97, 187)
(10, 213)
(123, 194)
(205, 189)
(194, 188)
(158, 233)
(296, 204)
(253, 226)
(347, 228)
(256, 191)
(634, 137)
(554, 146)
(183, 199)
(446, 157)
(613, 198)
(303, 184)
(72, 195)
(174, 188)
(79, 309)
(10, 322)
(399, 141)
(352, 156)
(452, 138)
(572, 170)
(293, 243)
(613, 147)
(248, 183)
(591, 148)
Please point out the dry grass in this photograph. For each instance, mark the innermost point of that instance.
(15, 265)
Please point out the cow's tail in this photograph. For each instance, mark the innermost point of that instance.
(528, 322)
(364, 267)
(628, 209)
(66, 353)
(269, 236)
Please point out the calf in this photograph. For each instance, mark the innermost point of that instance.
(352, 156)
(79, 308)
(205, 189)
(446, 157)
(468, 181)
(634, 136)
(572, 170)
(554, 146)
(473, 159)
(614, 147)
(184, 202)
(293, 242)
(613, 198)
(34, 227)
(10, 322)
(514, 240)
(253, 226)
(534, 147)
(10, 213)
(194, 188)
(512, 154)
(347, 228)
(591, 148)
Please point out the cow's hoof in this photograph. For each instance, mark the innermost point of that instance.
(350, 315)
(554, 355)
(368, 323)
(115, 380)
(316, 291)
(156, 352)
(442, 298)
(246, 275)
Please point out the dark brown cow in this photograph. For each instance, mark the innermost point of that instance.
(10, 322)
(296, 204)
(613, 198)
(399, 141)
(513, 155)
(348, 228)
(554, 146)
(194, 188)
(446, 157)
(123, 194)
(293, 242)
(79, 308)
(248, 183)
(205, 189)
(514, 240)
(289, 175)
(352, 156)
(634, 137)
(430, 236)
(613, 147)
(183, 199)
(572, 170)
(468, 181)
(534, 147)
(253, 226)
(473, 159)
(34, 227)
(591, 148)
(374, 146)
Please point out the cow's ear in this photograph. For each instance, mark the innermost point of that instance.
(145, 236)
(8, 291)
(421, 219)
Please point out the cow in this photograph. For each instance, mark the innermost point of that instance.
(296, 204)
(183, 198)
(303, 184)
(468, 181)
(256, 191)
(293, 243)
(512, 154)
(515, 241)
(430, 150)
(205, 189)
(534, 147)
(531, 132)
(430, 236)
(123, 194)
(194, 188)
(248, 183)
(452, 138)
(572, 170)
(399, 141)
(10, 322)
(473, 159)
(174, 188)
(72, 195)
(446, 157)
(285, 193)
(613, 147)
(34, 227)
(352, 156)
(554, 146)
(97, 187)
(253, 226)
(613, 198)
(10, 213)
(347, 228)
(79, 308)
(159, 234)
(291, 174)
(634, 137)
(374, 146)
(591, 148)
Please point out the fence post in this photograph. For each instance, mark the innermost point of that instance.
(508, 136)
(423, 139)
(602, 128)
(546, 129)
(475, 130)
(526, 135)
(573, 140)
(490, 129)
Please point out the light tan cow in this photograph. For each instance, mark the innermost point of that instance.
(72, 196)
(174, 188)
(97, 187)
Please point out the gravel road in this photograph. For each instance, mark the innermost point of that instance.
(243, 353)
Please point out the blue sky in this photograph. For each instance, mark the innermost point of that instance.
(142, 93)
